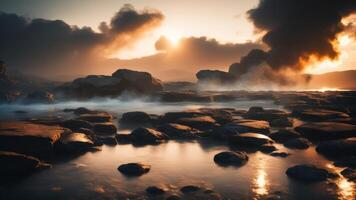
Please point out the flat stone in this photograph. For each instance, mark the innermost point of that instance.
(135, 119)
(74, 143)
(134, 169)
(30, 139)
(326, 130)
(320, 114)
(178, 131)
(76, 124)
(229, 158)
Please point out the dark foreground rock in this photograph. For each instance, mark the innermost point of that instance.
(106, 128)
(76, 124)
(309, 173)
(134, 169)
(327, 130)
(279, 154)
(16, 165)
(229, 158)
(338, 148)
(147, 136)
(30, 139)
(190, 188)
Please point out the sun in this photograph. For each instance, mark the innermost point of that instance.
(174, 39)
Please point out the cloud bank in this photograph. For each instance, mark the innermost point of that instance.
(52, 47)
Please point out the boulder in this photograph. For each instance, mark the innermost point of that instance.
(202, 123)
(256, 126)
(30, 139)
(282, 136)
(96, 118)
(326, 130)
(74, 143)
(297, 143)
(338, 148)
(178, 131)
(249, 140)
(346, 161)
(106, 128)
(108, 140)
(134, 169)
(14, 164)
(258, 113)
(190, 188)
(147, 136)
(135, 119)
(76, 124)
(226, 131)
(155, 190)
(229, 158)
(309, 173)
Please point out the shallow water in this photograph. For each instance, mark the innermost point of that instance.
(94, 175)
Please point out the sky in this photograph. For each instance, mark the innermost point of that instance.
(194, 26)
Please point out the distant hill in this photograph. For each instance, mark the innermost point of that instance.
(337, 79)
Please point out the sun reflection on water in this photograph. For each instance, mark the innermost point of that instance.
(260, 182)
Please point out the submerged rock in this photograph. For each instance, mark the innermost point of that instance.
(279, 154)
(228, 158)
(30, 139)
(297, 143)
(14, 164)
(327, 130)
(309, 173)
(147, 136)
(134, 169)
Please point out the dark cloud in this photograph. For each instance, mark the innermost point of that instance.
(191, 54)
(296, 32)
(50, 47)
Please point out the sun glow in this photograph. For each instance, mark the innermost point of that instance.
(174, 39)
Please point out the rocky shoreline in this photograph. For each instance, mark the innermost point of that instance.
(325, 121)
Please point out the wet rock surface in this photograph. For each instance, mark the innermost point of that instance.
(147, 136)
(135, 119)
(297, 143)
(28, 138)
(308, 173)
(252, 140)
(338, 148)
(229, 158)
(256, 126)
(284, 135)
(178, 131)
(134, 169)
